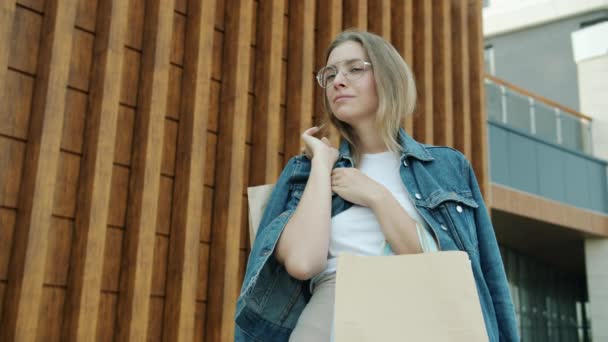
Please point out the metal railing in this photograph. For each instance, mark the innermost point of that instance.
(535, 115)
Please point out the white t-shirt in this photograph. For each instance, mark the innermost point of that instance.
(357, 230)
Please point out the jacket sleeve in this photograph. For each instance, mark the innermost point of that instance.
(280, 196)
(276, 214)
(492, 266)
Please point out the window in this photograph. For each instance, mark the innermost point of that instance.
(592, 22)
(488, 59)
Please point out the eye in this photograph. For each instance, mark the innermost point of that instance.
(356, 69)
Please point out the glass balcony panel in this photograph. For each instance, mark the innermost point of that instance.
(494, 102)
(546, 122)
(518, 111)
(572, 132)
(559, 172)
(586, 133)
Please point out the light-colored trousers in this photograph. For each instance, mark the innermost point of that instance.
(316, 321)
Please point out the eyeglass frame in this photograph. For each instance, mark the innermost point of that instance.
(367, 65)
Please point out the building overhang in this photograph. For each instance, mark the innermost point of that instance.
(549, 231)
(587, 223)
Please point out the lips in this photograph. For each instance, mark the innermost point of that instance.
(342, 97)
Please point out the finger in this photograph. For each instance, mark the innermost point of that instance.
(326, 141)
(311, 131)
(307, 153)
(308, 140)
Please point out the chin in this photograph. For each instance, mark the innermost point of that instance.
(349, 117)
(346, 118)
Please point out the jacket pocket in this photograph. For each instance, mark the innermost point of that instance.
(295, 195)
(455, 213)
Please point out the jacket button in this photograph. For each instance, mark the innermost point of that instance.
(459, 209)
(417, 195)
(444, 227)
(404, 163)
(265, 252)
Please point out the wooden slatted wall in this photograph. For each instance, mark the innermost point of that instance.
(130, 130)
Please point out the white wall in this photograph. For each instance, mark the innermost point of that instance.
(503, 16)
(596, 260)
(590, 47)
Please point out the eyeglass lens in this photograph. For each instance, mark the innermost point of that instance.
(351, 69)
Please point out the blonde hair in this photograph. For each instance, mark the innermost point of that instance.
(395, 87)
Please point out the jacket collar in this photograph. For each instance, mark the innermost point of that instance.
(410, 147)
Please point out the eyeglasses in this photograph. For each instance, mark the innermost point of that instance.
(352, 69)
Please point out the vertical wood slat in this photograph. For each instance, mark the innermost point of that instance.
(23, 296)
(300, 70)
(379, 18)
(7, 16)
(354, 14)
(402, 17)
(329, 24)
(267, 107)
(301, 55)
(423, 69)
(461, 86)
(230, 163)
(479, 126)
(182, 277)
(84, 283)
(442, 74)
(144, 183)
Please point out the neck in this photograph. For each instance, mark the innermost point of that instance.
(369, 138)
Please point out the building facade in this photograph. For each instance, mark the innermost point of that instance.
(131, 129)
(546, 65)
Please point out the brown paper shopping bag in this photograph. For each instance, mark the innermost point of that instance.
(257, 197)
(420, 297)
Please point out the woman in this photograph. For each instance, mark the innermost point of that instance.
(380, 193)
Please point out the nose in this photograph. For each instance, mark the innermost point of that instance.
(339, 80)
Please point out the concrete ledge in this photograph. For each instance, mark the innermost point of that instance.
(591, 223)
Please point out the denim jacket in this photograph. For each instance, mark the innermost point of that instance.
(443, 188)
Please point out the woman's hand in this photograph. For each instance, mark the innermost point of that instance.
(319, 150)
(356, 187)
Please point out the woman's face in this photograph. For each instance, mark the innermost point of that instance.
(351, 101)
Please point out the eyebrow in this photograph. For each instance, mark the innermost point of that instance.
(344, 60)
